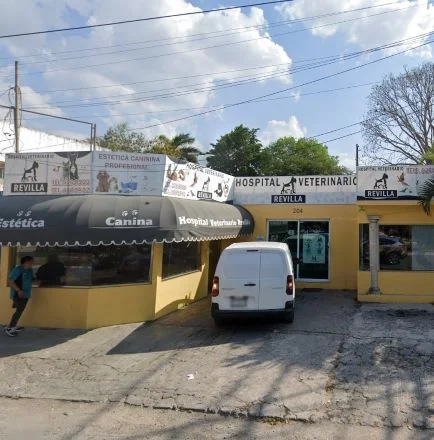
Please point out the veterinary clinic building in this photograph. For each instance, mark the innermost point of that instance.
(141, 236)
(316, 216)
(367, 232)
(135, 236)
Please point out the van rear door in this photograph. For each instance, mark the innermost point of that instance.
(273, 275)
(239, 280)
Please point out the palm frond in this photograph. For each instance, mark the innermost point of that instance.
(426, 193)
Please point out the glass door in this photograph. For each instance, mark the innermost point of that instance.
(284, 232)
(313, 246)
(309, 242)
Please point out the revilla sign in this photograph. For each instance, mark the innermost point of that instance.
(398, 182)
(296, 189)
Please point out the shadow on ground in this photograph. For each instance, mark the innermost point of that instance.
(33, 340)
(352, 364)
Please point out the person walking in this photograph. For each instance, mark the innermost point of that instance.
(20, 281)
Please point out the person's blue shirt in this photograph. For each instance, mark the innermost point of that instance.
(27, 279)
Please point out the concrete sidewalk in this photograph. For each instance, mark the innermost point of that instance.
(340, 363)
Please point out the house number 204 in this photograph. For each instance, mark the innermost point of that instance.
(297, 210)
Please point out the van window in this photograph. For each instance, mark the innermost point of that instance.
(272, 265)
(241, 265)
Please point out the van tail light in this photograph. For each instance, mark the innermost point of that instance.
(215, 287)
(289, 284)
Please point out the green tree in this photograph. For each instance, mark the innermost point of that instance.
(121, 138)
(238, 153)
(289, 156)
(180, 146)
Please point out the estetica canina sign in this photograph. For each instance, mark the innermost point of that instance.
(295, 190)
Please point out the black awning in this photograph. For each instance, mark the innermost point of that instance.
(104, 219)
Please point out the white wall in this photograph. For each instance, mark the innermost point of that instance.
(34, 141)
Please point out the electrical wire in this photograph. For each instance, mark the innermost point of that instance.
(199, 49)
(235, 104)
(328, 61)
(211, 106)
(137, 20)
(224, 31)
(93, 55)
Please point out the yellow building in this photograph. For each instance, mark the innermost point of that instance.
(316, 216)
(104, 260)
(132, 259)
(396, 235)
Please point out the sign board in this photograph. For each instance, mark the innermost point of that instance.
(107, 172)
(192, 181)
(127, 173)
(319, 190)
(48, 173)
(402, 182)
(314, 248)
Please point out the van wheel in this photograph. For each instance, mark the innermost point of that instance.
(288, 317)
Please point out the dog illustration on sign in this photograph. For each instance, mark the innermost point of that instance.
(32, 172)
(381, 183)
(205, 186)
(103, 178)
(289, 187)
(222, 188)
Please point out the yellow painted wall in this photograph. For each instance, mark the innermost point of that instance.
(396, 286)
(120, 305)
(394, 213)
(343, 237)
(178, 291)
(48, 307)
(102, 306)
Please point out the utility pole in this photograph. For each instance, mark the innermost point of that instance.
(17, 109)
(94, 137)
(357, 155)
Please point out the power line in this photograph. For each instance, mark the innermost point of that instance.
(335, 130)
(224, 35)
(328, 61)
(213, 106)
(202, 48)
(341, 137)
(223, 31)
(235, 104)
(136, 20)
(164, 79)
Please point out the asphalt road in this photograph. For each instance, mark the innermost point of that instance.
(339, 369)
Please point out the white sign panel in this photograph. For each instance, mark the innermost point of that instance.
(48, 173)
(127, 173)
(295, 189)
(192, 181)
(392, 182)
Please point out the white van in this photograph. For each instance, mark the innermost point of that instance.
(254, 278)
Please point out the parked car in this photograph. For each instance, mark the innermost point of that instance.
(254, 278)
(392, 250)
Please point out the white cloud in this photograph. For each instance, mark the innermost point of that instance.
(345, 159)
(277, 129)
(408, 19)
(134, 63)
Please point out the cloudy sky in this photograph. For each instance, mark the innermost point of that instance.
(153, 73)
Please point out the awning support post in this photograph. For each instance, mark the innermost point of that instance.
(374, 253)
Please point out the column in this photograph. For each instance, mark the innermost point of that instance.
(374, 253)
